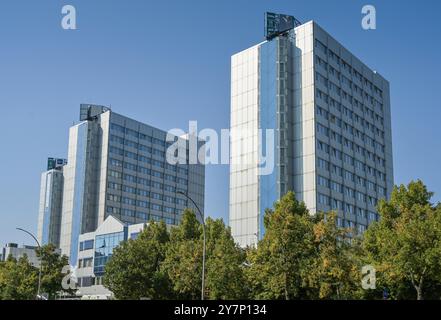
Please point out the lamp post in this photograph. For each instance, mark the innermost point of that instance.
(39, 272)
(203, 251)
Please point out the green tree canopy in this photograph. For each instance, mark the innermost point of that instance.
(224, 277)
(134, 271)
(51, 270)
(277, 265)
(405, 245)
(18, 279)
(334, 270)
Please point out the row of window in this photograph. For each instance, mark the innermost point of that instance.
(145, 182)
(351, 193)
(135, 134)
(138, 146)
(350, 224)
(352, 101)
(142, 215)
(337, 154)
(347, 67)
(327, 83)
(326, 165)
(340, 206)
(353, 116)
(353, 146)
(345, 81)
(144, 170)
(141, 192)
(144, 193)
(157, 174)
(342, 124)
(136, 157)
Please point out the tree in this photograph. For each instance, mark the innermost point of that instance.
(405, 245)
(280, 260)
(334, 271)
(51, 270)
(225, 278)
(183, 264)
(134, 270)
(18, 279)
(183, 261)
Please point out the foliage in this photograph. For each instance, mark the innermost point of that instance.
(405, 245)
(134, 271)
(224, 276)
(18, 279)
(281, 257)
(51, 270)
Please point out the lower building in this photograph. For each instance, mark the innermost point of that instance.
(94, 251)
(16, 252)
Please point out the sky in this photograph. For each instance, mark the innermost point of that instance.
(167, 62)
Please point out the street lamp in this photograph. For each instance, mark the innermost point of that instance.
(203, 252)
(41, 262)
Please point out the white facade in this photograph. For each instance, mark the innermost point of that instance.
(89, 271)
(331, 119)
(244, 188)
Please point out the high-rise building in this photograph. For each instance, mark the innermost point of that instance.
(51, 200)
(118, 166)
(332, 128)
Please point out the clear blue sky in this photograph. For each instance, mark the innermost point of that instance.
(166, 62)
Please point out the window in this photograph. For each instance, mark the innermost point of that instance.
(141, 215)
(86, 245)
(115, 163)
(323, 199)
(129, 189)
(349, 208)
(320, 46)
(130, 166)
(336, 204)
(157, 185)
(323, 181)
(144, 170)
(128, 213)
(134, 235)
(143, 193)
(336, 186)
(323, 164)
(104, 248)
(158, 163)
(169, 188)
(129, 201)
(113, 197)
(130, 178)
(131, 155)
(113, 210)
(142, 204)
